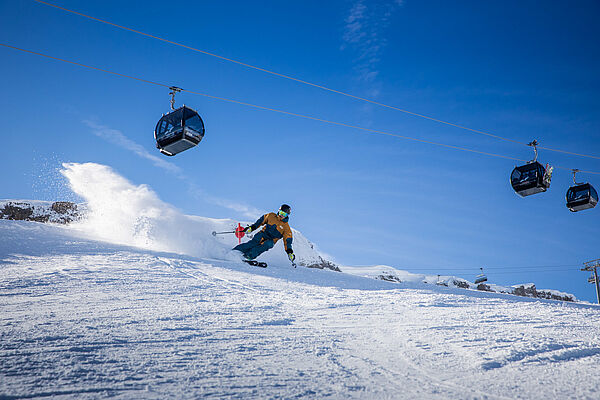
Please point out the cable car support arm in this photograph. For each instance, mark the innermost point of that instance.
(534, 144)
(575, 170)
(174, 90)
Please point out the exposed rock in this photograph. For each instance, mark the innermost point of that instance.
(522, 291)
(548, 295)
(484, 287)
(461, 284)
(389, 278)
(18, 212)
(526, 290)
(61, 212)
(323, 264)
(64, 207)
(531, 291)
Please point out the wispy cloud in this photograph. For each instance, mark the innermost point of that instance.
(364, 35)
(354, 30)
(118, 138)
(240, 208)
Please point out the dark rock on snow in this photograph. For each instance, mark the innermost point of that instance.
(61, 212)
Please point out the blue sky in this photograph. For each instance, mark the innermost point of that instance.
(514, 69)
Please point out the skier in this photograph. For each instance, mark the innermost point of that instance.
(275, 227)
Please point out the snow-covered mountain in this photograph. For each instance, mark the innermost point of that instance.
(133, 299)
(120, 212)
(68, 213)
(387, 273)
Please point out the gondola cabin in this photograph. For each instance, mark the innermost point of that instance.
(581, 197)
(178, 131)
(530, 179)
(481, 277)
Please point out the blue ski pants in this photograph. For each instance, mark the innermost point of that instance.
(255, 247)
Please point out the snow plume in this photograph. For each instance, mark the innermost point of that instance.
(124, 213)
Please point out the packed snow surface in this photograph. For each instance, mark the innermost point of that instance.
(86, 314)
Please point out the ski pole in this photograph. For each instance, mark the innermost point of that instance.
(224, 233)
(221, 233)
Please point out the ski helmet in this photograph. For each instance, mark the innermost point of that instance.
(285, 208)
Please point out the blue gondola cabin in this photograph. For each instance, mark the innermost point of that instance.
(530, 179)
(178, 131)
(581, 197)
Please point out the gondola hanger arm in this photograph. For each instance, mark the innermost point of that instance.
(534, 144)
(174, 90)
(575, 171)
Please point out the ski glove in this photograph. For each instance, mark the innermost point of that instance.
(291, 256)
(248, 229)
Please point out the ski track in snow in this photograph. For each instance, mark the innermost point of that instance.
(87, 319)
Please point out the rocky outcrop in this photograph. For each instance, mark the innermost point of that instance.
(60, 212)
(525, 290)
(531, 291)
(461, 284)
(484, 287)
(323, 264)
(389, 278)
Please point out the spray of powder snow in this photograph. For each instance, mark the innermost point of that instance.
(121, 212)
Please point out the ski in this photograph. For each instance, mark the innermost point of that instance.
(256, 263)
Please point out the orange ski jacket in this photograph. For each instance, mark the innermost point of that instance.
(274, 229)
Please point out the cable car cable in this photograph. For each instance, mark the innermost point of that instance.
(269, 108)
(308, 83)
(376, 131)
(511, 267)
(507, 268)
(522, 272)
(463, 271)
(473, 270)
(84, 65)
(488, 273)
(499, 267)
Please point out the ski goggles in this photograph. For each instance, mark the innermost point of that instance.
(282, 213)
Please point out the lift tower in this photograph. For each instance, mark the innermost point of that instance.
(592, 266)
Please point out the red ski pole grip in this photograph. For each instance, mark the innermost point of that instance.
(239, 232)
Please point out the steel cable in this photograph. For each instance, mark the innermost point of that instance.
(361, 128)
(312, 84)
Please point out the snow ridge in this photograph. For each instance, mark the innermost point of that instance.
(119, 212)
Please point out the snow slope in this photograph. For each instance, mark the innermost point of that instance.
(87, 319)
(145, 313)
